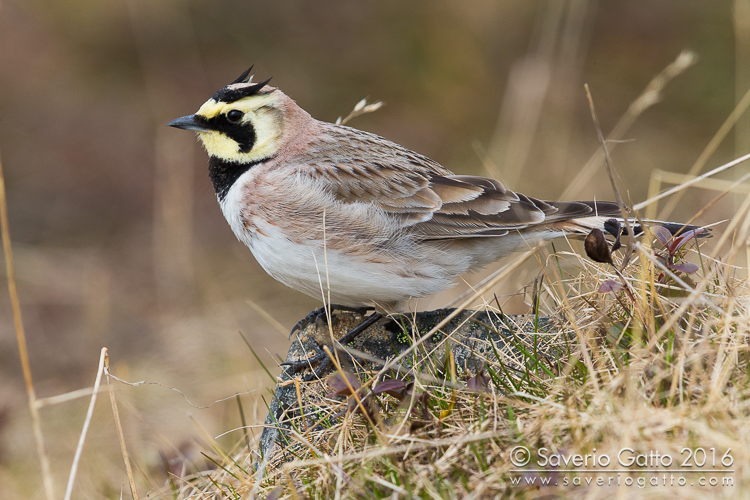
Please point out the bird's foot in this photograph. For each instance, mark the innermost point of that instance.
(321, 358)
(320, 314)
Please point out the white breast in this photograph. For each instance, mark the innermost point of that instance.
(318, 268)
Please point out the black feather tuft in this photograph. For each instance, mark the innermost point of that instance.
(243, 77)
(236, 91)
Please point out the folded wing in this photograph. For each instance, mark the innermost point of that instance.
(434, 203)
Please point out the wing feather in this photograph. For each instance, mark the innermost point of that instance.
(428, 199)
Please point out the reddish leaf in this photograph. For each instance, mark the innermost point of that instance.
(392, 387)
(684, 239)
(340, 386)
(611, 286)
(662, 234)
(685, 267)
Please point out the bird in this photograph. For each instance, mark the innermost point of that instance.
(330, 209)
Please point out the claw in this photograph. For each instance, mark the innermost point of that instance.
(318, 373)
(312, 317)
(304, 363)
(324, 362)
(307, 362)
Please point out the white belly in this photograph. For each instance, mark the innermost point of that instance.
(318, 271)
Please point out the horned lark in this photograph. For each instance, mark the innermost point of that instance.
(371, 220)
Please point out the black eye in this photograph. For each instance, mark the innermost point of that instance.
(235, 115)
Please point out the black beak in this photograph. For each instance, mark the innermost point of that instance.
(189, 122)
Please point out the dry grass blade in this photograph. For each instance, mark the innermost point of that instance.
(610, 173)
(86, 423)
(273, 321)
(361, 108)
(49, 486)
(120, 435)
(691, 182)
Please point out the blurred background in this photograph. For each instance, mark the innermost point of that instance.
(119, 241)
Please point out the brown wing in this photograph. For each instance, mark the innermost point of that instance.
(428, 198)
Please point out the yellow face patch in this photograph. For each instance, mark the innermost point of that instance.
(260, 111)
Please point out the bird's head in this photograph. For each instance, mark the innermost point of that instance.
(241, 123)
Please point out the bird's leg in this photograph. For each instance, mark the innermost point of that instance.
(354, 332)
(349, 337)
(322, 358)
(309, 361)
(314, 316)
